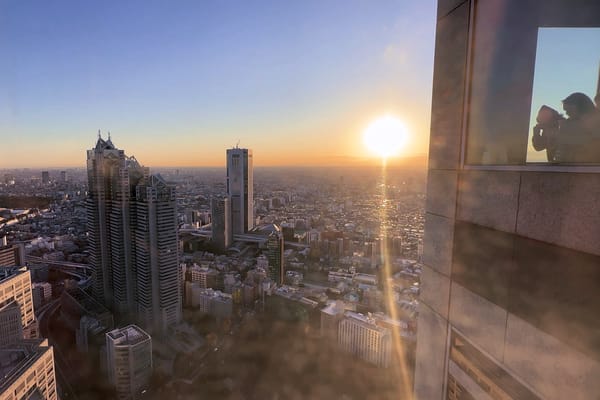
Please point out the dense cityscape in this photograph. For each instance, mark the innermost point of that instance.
(338, 200)
(228, 282)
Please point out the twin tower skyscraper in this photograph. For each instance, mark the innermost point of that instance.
(132, 233)
(132, 236)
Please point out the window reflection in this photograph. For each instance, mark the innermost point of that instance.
(528, 54)
(565, 122)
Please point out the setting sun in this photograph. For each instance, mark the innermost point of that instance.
(385, 136)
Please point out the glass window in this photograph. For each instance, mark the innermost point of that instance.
(546, 52)
(564, 126)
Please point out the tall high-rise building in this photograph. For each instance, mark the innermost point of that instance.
(222, 234)
(510, 287)
(129, 361)
(158, 289)
(26, 362)
(275, 255)
(15, 293)
(132, 234)
(112, 177)
(45, 177)
(240, 189)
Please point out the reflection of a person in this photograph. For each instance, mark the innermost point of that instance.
(575, 139)
(545, 133)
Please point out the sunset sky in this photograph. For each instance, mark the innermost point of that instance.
(176, 83)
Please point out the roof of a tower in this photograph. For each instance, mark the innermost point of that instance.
(154, 180)
(102, 144)
(158, 180)
(265, 229)
(132, 161)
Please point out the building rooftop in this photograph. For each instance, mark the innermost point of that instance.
(216, 294)
(10, 304)
(334, 308)
(89, 304)
(102, 144)
(18, 357)
(129, 335)
(7, 273)
(365, 320)
(265, 229)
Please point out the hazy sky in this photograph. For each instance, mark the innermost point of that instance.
(178, 82)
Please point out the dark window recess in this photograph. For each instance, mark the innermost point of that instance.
(488, 375)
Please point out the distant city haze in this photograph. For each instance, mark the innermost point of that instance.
(298, 82)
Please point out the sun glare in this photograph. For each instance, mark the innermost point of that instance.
(385, 136)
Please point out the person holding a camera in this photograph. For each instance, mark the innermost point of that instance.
(575, 139)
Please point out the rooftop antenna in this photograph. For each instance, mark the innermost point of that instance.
(237, 145)
(108, 135)
(99, 136)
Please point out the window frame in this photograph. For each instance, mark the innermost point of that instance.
(464, 134)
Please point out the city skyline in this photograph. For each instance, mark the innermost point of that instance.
(169, 78)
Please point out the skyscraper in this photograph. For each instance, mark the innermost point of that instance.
(112, 177)
(275, 255)
(222, 234)
(240, 189)
(158, 289)
(132, 228)
(510, 287)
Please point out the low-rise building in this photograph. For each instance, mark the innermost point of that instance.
(41, 292)
(209, 301)
(206, 277)
(360, 335)
(11, 255)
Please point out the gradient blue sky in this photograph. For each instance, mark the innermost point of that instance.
(178, 82)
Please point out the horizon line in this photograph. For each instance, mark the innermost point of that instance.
(352, 161)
